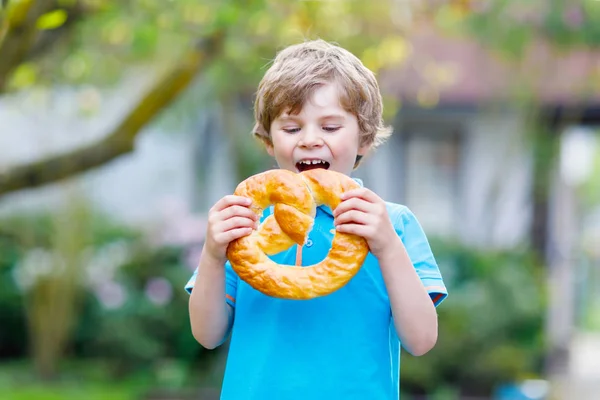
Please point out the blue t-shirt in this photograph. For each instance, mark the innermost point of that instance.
(340, 346)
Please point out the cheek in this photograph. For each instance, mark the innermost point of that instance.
(282, 149)
(344, 147)
(278, 143)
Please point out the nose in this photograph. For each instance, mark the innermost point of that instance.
(310, 138)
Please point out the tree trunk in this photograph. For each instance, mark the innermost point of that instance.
(53, 300)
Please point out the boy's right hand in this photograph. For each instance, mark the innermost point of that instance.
(229, 219)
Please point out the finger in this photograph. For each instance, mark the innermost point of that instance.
(362, 193)
(352, 216)
(354, 203)
(233, 234)
(237, 211)
(364, 231)
(231, 200)
(234, 223)
(231, 212)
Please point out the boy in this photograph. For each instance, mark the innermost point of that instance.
(318, 106)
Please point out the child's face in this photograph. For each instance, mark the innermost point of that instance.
(322, 135)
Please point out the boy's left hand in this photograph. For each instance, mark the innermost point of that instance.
(363, 213)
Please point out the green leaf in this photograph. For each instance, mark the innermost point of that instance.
(24, 76)
(52, 20)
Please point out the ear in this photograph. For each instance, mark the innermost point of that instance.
(267, 143)
(364, 149)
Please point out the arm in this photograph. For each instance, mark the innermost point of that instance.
(415, 317)
(210, 315)
(363, 213)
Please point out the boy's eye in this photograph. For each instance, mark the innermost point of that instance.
(331, 128)
(291, 130)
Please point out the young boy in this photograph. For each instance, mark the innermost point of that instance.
(318, 106)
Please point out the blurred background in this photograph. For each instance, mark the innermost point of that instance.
(123, 121)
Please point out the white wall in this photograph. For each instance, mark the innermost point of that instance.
(497, 179)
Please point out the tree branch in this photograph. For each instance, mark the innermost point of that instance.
(121, 140)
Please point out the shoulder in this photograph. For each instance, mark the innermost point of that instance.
(404, 220)
(396, 210)
(399, 213)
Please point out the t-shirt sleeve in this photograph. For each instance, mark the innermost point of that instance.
(419, 251)
(231, 283)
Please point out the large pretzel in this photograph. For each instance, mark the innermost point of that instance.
(295, 197)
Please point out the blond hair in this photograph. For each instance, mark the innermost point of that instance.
(301, 68)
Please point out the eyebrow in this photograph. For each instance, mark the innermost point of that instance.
(293, 118)
(333, 116)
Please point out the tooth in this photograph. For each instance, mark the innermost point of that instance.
(313, 162)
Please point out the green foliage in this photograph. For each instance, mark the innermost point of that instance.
(490, 326)
(497, 27)
(52, 20)
(139, 332)
(113, 36)
(149, 324)
(12, 318)
(590, 190)
(573, 24)
(88, 380)
(511, 26)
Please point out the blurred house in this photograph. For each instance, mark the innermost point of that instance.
(461, 155)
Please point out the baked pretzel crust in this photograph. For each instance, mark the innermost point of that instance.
(295, 197)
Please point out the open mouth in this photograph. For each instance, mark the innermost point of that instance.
(305, 165)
